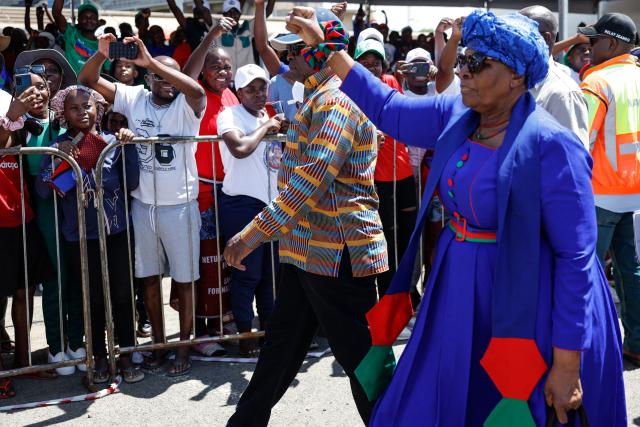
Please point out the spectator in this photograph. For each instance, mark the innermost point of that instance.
(123, 72)
(173, 106)
(574, 53)
(79, 109)
(11, 239)
(125, 30)
(214, 65)
(237, 41)
(40, 128)
(5, 76)
(110, 30)
(17, 45)
(181, 48)
(80, 39)
(251, 170)
(157, 43)
(406, 38)
(57, 69)
(612, 89)
(558, 93)
(194, 28)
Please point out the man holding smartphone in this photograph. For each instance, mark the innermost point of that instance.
(165, 203)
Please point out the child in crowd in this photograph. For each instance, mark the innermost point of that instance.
(124, 73)
(251, 169)
(79, 110)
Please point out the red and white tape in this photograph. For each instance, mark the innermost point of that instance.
(113, 388)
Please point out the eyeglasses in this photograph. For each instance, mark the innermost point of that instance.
(35, 69)
(474, 62)
(295, 49)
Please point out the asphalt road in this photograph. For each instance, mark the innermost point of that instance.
(320, 395)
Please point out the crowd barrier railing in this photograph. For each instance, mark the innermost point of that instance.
(221, 286)
(82, 200)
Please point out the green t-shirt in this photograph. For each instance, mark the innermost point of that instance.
(42, 140)
(78, 49)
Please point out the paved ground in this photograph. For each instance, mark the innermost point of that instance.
(320, 396)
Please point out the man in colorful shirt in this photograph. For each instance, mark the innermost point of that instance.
(80, 39)
(612, 89)
(331, 243)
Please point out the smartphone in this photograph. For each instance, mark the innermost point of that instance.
(121, 50)
(23, 82)
(418, 68)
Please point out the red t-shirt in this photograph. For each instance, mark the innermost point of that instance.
(10, 204)
(209, 126)
(384, 165)
(181, 54)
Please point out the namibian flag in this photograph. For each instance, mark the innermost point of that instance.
(82, 49)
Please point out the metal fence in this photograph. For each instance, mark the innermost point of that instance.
(165, 344)
(20, 153)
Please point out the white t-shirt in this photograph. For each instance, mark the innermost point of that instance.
(5, 102)
(248, 176)
(146, 120)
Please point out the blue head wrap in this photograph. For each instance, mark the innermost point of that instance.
(513, 40)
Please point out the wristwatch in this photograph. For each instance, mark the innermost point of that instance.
(7, 124)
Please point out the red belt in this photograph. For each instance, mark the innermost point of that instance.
(467, 233)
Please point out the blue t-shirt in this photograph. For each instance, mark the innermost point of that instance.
(280, 90)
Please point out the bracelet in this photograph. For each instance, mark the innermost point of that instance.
(7, 124)
(336, 39)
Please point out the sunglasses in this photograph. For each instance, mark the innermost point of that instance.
(593, 40)
(156, 77)
(474, 62)
(35, 69)
(295, 50)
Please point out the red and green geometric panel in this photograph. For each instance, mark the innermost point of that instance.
(386, 320)
(515, 366)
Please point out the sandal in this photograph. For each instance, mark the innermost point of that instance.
(132, 375)
(6, 388)
(154, 361)
(101, 376)
(173, 371)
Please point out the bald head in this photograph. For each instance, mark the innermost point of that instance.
(168, 61)
(547, 22)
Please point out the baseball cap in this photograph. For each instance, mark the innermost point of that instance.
(418, 54)
(370, 33)
(281, 42)
(90, 7)
(616, 25)
(370, 46)
(248, 73)
(231, 4)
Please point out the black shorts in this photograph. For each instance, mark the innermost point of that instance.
(12, 259)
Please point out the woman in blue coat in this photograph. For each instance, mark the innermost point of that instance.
(516, 314)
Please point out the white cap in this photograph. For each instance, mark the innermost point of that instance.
(231, 4)
(370, 33)
(248, 73)
(418, 54)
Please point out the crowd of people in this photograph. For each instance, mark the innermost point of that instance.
(538, 190)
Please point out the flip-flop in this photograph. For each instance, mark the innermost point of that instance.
(101, 376)
(6, 388)
(185, 371)
(132, 375)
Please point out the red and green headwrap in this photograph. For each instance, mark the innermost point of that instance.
(336, 39)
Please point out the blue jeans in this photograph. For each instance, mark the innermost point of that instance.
(615, 233)
(235, 213)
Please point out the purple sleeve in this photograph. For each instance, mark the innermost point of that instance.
(569, 224)
(413, 121)
(283, 68)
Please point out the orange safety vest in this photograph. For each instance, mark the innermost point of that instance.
(612, 91)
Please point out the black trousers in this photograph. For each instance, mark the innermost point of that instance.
(119, 284)
(304, 302)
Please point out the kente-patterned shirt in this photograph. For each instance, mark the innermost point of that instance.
(327, 197)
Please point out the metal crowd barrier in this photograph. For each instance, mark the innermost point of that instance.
(165, 344)
(20, 152)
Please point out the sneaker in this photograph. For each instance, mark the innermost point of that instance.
(61, 357)
(405, 334)
(211, 349)
(80, 353)
(144, 330)
(137, 358)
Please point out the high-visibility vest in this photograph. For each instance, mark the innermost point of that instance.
(612, 91)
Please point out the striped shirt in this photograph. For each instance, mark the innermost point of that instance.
(327, 196)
